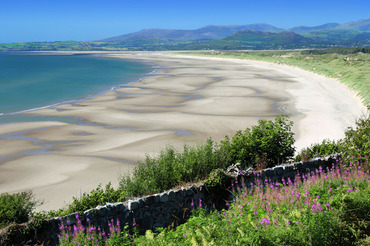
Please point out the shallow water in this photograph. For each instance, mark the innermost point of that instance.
(29, 82)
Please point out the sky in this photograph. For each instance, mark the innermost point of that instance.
(89, 20)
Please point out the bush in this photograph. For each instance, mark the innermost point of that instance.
(357, 140)
(218, 180)
(16, 208)
(354, 145)
(326, 147)
(268, 141)
(96, 197)
(171, 168)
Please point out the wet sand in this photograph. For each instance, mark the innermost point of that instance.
(186, 100)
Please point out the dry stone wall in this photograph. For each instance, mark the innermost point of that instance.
(149, 212)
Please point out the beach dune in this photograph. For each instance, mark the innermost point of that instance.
(185, 101)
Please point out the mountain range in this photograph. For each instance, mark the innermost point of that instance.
(204, 33)
(212, 32)
(227, 37)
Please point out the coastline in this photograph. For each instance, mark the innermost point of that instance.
(50, 79)
(338, 90)
(186, 101)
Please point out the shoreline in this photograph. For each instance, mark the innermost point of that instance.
(354, 94)
(294, 70)
(85, 94)
(185, 102)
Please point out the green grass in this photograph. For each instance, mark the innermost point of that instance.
(351, 69)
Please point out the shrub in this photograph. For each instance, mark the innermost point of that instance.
(357, 140)
(269, 141)
(16, 208)
(354, 145)
(326, 147)
(96, 197)
(171, 168)
(218, 180)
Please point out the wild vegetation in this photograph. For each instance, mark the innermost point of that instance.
(355, 144)
(325, 207)
(16, 208)
(270, 141)
(349, 65)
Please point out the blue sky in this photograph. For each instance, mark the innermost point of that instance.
(86, 20)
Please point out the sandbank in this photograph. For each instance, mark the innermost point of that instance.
(186, 100)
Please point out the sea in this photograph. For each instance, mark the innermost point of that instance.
(31, 81)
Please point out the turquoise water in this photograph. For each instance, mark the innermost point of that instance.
(32, 81)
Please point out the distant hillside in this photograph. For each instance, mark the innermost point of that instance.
(257, 36)
(307, 29)
(201, 34)
(341, 37)
(255, 40)
(253, 36)
(219, 32)
(361, 25)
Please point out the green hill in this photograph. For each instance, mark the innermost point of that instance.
(307, 29)
(341, 37)
(257, 40)
(257, 36)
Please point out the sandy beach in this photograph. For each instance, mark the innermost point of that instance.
(185, 101)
